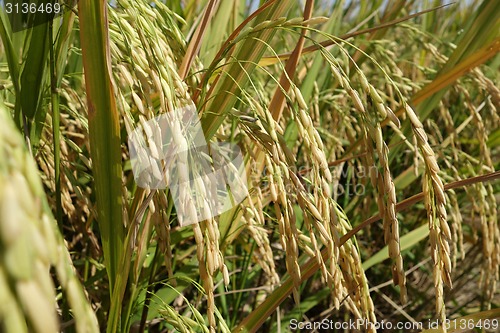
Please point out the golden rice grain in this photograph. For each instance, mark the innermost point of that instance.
(300, 99)
(316, 20)
(358, 104)
(225, 274)
(392, 117)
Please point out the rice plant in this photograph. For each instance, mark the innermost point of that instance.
(249, 166)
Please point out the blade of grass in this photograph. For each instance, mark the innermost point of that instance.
(195, 44)
(33, 71)
(105, 147)
(13, 64)
(54, 98)
(218, 30)
(64, 39)
(12, 57)
(246, 56)
(33, 75)
(226, 47)
(278, 101)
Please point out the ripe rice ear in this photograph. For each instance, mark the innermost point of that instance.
(31, 244)
(435, 203)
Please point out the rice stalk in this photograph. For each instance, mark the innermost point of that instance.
(255, 225)
(104, 129)
(356, 283)
(30, 245)
(385, 186)
(435, 203)
(158, 89)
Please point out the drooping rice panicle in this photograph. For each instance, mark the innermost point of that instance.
(435, 203)
(31, 245)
